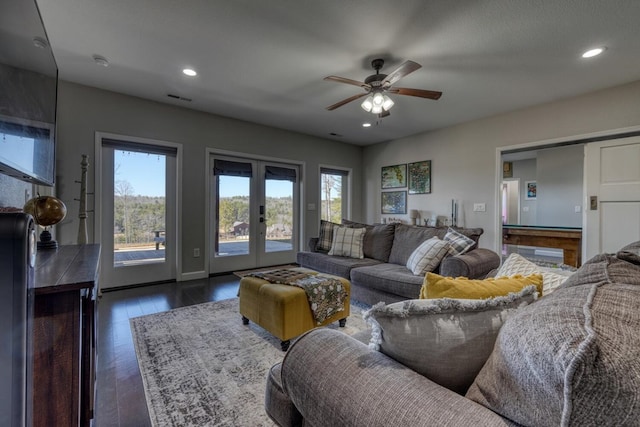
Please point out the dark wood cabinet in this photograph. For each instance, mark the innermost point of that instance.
(64, 335)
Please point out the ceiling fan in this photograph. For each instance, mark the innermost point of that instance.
(378, 85)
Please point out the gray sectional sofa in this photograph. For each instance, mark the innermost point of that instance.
(571, 358)
(382, 274)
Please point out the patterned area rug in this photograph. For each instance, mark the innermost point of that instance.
(201, 366)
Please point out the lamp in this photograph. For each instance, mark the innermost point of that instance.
(377, 102)
(413, 214)
(46, 211)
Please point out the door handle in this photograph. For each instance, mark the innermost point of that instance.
(261, 219)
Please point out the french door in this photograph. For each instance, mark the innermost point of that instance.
(137, 212)
(255, 213)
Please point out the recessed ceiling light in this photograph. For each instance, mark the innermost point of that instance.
(100, 60)
(366, 125)
(593, 52)
(189, 72)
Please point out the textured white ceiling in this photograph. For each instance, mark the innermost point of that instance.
(264, 60)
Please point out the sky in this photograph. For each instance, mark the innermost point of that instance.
(146, 174)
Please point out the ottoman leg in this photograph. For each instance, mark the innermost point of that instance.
(342, 322)
(245, 321)
(285, 345)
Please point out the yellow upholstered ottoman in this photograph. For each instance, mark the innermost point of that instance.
(283, 310)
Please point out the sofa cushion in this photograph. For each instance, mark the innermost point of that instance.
(517, 264)
(427, 256)
(436, 286)
(389, 278)
(377, 240)
(339, 266)
(446, 340)
(407, 238)
(458, 241)
(347, 242)
(572, 357)
(325, 238)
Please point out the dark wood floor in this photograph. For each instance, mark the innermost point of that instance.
(120, 397)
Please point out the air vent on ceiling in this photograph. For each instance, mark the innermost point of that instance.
(180, 98)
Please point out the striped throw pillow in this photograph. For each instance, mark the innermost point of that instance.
(347, 242)
(427, 256)
(325, 238)
(458, 241)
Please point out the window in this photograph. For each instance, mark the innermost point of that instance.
(334, 194)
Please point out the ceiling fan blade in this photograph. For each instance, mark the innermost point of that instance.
(430, 94)
(346, 101)
(347, 81)
(406, 68)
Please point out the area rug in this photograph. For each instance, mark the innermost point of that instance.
(201, 366)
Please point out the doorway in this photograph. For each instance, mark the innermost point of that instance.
(137, 210)
(254, 213)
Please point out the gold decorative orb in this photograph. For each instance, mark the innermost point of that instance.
(46, 210)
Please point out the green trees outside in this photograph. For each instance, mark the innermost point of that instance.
(331, 197)
(136, 217)
(278, 213)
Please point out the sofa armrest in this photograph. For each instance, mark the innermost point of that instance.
(474, 264)
(335, 380)
(312, 243)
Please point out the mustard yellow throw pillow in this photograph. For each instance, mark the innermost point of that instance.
(436, 286)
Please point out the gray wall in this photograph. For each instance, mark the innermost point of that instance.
(464, 156)
(526, 170)
(560, 182)
(84, 110)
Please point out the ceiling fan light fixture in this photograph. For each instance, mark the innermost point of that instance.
(387, 103)
(378, 99)
(367, 104)
(377, 109)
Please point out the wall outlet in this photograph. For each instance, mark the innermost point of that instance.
(578, 209)
(196, 252)
(479, 207)
(525, 209)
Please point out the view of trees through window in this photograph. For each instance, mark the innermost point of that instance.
(136, 217)
(234, 212)
(331, 197)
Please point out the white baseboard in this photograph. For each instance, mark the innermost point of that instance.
(192, 275)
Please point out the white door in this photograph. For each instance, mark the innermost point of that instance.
(255, 213)
(612, 214)
(137, 212)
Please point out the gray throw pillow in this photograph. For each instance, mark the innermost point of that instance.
(377, 240)
(446, 340)
(573, 357)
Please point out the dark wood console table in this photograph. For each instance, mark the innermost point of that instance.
(568, 239)
(64, 335)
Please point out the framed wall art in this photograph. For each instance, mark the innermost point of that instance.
(394, 176)
(420, 177)
(531, 190)
(394, 202)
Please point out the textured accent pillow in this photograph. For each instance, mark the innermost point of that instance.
(347, 242)
(446, 340)
(458, 241)
(427, 256)
(325, 237)
(570, 359)
(517, 264)
(436, 286)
